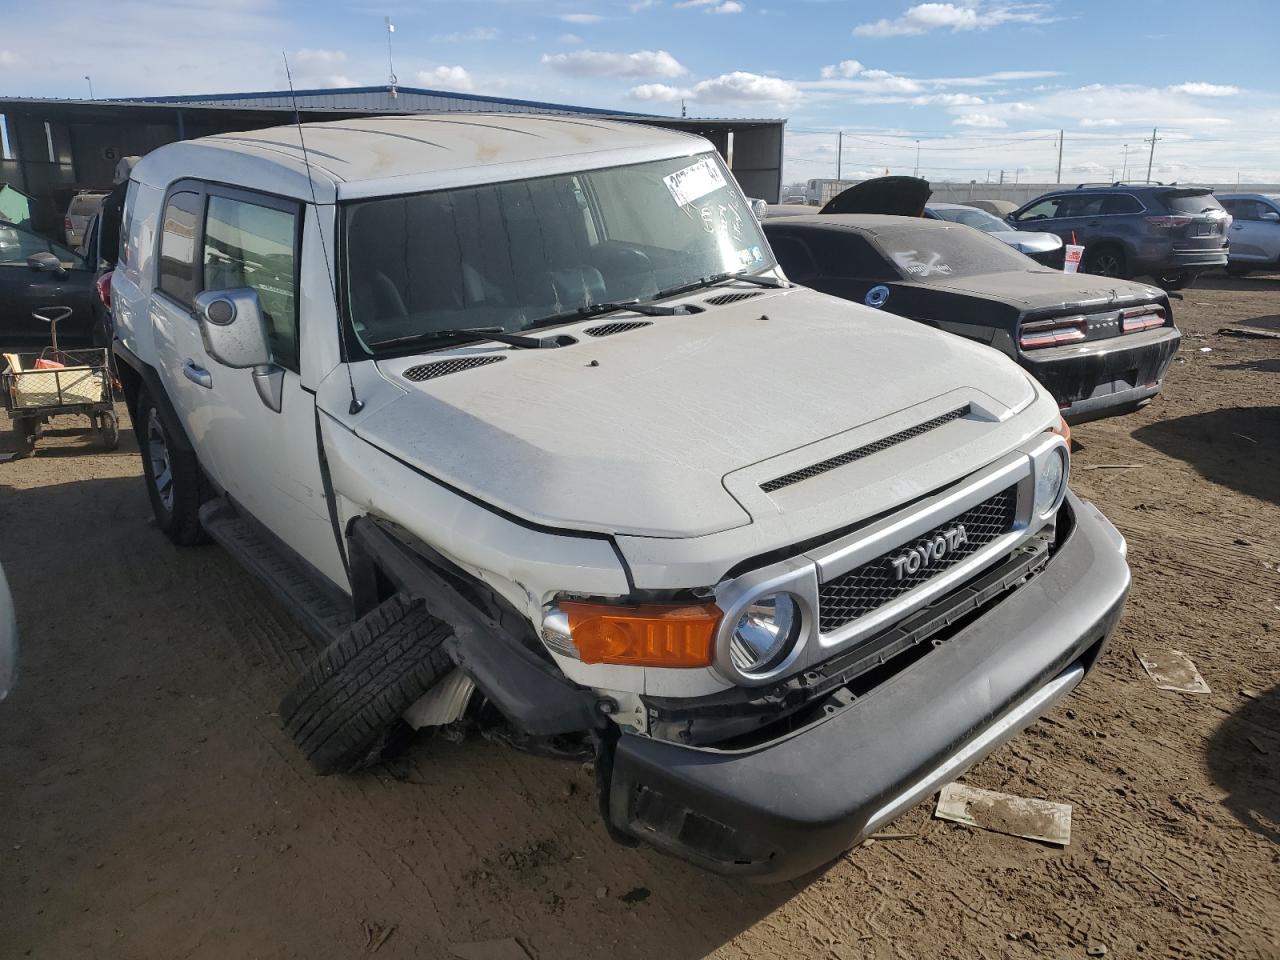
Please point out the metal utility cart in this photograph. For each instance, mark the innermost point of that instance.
(57, 383)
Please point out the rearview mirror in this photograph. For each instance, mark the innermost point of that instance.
(235, 335)
(46, 262)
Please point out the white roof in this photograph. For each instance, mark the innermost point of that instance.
(375, 156)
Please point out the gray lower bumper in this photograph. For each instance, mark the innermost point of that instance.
(783, 808)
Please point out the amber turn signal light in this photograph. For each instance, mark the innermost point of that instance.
(650, 635)
(1063, 429)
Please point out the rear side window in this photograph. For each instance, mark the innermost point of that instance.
(1189, 203)
(251, 245)
(176, 273)
(795, 258)
(1117, 203)
(129, 246)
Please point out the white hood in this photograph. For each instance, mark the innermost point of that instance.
(635, 433)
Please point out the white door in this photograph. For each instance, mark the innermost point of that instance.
(268, 461)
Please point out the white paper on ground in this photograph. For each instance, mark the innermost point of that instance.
(1041, 820)
(1173, 670)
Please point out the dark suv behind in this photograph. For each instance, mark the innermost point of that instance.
(1168, 232)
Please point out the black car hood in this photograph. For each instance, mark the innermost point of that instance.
(1043, 289)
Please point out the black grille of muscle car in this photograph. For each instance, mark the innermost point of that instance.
(853, 594)
(725, 299)
(622, 326)
(442, 368)
(806, 473)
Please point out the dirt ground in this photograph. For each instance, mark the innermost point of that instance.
(151, 806)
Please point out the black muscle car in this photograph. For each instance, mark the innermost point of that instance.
(1101, 346)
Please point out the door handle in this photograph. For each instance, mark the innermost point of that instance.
(197, 375)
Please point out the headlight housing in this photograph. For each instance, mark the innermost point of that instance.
(765, 633)
(1051, 481)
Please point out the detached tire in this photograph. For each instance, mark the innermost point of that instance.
(342, 708)
(172, 475)
(25, 433)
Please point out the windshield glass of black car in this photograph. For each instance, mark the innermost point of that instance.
(506, 255)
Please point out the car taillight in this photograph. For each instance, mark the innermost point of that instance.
(104, 289)
(1168, 223)
(1141, 318)
(66, 223)
(1052, 333)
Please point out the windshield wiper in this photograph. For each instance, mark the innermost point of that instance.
(468, 333)
(644, 307)
(758, 279)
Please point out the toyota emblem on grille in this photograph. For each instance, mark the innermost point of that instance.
(924, 553)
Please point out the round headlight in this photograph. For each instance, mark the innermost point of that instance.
(1050, 481)
(765, 633)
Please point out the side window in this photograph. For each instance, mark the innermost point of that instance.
(1046, 209)
(128, 250)
(251, 245)
(795, 258)
(1120, 203)
(1247, 210)
(1088, 205)
(176, 273)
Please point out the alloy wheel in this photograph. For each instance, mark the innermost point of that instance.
(158, 454)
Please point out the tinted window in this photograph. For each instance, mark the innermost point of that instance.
(17, 244)
(176, 275)
(1247, 209)
(1117, 203)
(795, 258)
(938, 255)
(249, 245)
(1043, 210)
(129, 249)
(1190, 202)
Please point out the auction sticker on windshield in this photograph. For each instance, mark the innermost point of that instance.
(694, 181)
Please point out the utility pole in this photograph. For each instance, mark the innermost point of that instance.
(1152, 155)
(90, 79)
(917, 173)
(1124, 170)
(1059, 156)
(1002, 176)
(839, 153)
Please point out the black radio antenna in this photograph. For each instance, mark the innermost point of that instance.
(356, 404)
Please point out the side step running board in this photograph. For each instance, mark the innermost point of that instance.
(319, 607)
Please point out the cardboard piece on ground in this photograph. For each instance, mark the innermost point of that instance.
(1041, 820)
(507, 949)
(1173, 670)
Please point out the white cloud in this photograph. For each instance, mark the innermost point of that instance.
(657, 92)
(319, 68)
(925, 17)
(1100, 122)
(1206, 89)
(714, 6)
(476, 33)
(947, 100)
(743, 87)
(569, 39)
(581, 17)
(594, 63)
(451, 78)
(8, 58)
(845, 68)
(639, 5)
(979, 120)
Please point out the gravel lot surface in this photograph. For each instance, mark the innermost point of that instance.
(151, 806)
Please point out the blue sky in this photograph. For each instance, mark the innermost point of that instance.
(981, 84)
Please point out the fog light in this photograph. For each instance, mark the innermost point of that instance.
(765, 633)
(1051, 482)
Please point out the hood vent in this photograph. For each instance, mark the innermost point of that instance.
(622, 326)
(442, 368)
(858, 453)
(724, 299)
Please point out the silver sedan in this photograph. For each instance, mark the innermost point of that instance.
(1045, 248)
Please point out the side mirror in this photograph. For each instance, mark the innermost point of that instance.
(760, 209)
(1271, 216)
(46, 262)
(235, 335)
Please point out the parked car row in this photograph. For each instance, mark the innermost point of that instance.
(574, 458)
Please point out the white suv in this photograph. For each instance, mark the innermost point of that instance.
(521, 419)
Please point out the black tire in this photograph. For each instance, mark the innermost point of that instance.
(344, 706)
(1107, 260)
(1177, 279)
(109, 431)
(172, 475)
(25, 430)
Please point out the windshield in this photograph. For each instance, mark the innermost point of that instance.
(939, 254)
(507, 255)
(971, 217)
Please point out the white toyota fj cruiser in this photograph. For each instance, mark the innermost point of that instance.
(520, 418)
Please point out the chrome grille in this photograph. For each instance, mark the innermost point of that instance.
(851, 595)
(442, 368)
(621, 326)
(806, 473)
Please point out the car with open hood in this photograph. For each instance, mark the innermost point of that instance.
(1100, 346)
(519, 416)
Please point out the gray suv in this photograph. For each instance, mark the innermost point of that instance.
(1168, 232)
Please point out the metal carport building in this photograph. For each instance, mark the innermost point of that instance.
(55, 147)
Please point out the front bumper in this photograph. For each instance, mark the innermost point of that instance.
(1104, 378)
(778, 810)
